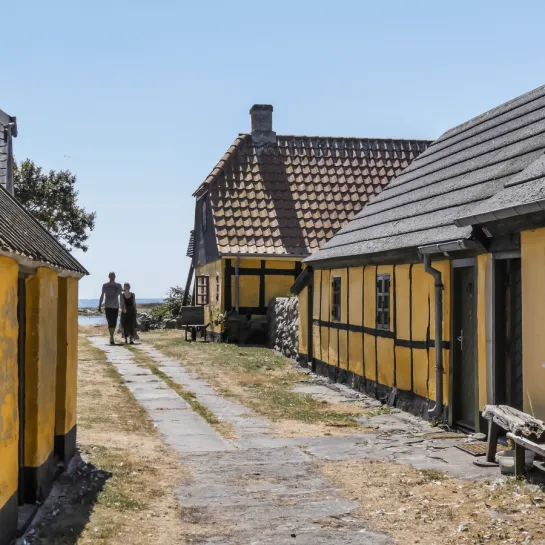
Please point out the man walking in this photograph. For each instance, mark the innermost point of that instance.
(110, 295)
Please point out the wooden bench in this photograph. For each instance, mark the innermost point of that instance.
(524, 430)
(192, 319)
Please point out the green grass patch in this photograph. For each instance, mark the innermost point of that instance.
(277, 400)
(267, 377)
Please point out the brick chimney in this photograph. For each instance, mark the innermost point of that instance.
(262, 132)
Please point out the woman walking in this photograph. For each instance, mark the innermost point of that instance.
(128, 316)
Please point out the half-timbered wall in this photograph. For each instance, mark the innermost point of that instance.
(402, 356)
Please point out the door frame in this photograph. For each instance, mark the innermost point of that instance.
(459, 264)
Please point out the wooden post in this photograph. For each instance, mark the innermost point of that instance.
(237, 283)
(185, 300)
(493, 434)
(520, 460)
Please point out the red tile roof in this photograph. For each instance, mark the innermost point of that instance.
(290, 198)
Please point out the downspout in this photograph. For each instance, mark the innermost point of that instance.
(439, 287)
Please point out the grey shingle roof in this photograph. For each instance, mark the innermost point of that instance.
(489, 163)
(21, 234)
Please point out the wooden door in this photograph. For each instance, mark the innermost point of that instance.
(465, 361)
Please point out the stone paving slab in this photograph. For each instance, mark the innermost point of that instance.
(262, 489)
(179, 426)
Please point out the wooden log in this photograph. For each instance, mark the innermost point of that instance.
(516, 422)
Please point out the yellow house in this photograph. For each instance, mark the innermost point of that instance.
(433, 297)
(273, 200)
(38, 351)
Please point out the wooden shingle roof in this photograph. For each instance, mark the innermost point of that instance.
(474, 172)
(290, 197)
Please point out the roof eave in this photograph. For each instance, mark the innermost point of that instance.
(29, 263)
(263, 255)
(501, 214)
(449, 247)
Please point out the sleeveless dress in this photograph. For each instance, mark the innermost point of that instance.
(129, 318)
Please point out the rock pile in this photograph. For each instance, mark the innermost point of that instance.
(283, 325)
(88, 312)
(146, 322)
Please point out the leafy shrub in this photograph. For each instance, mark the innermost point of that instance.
(171, 305)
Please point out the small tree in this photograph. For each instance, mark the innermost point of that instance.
(52, 199)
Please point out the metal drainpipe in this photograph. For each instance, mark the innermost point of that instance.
(438, 409)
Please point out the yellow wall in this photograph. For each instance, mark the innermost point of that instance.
(249, 285)
(40, 366)
(369, 316)
(214, 271)
(67, 356)
(533, 318)
(411, 319)
(9, 415)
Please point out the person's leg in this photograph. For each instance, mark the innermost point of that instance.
(111, 317)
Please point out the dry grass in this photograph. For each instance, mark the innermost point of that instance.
(430, 508)
(263, 381)
(137, 504)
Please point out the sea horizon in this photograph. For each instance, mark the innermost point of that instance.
(93, 303)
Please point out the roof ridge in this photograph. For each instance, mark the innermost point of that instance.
(244, 138)
(506, 107)
(330, 137)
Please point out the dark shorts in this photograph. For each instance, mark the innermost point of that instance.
(111, 317)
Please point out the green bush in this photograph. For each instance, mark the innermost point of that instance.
(171, 306)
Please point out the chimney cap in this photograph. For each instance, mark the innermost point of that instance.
(261, 108)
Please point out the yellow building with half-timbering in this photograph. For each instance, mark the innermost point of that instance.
(432, 297)
(273, 200)
(38, 353)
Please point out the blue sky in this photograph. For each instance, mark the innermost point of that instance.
(145, 97)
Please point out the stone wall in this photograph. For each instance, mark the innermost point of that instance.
(283, 325)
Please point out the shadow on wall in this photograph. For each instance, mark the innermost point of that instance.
(67, 511)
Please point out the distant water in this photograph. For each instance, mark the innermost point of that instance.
(91, 320)
(93, 303)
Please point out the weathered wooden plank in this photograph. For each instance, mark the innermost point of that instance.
(527, 444)
(516, 422)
